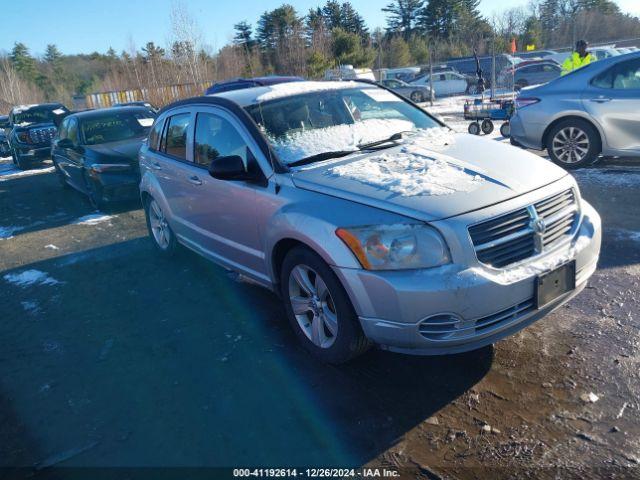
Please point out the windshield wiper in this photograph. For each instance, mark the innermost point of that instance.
(321, 156)
(392, 138)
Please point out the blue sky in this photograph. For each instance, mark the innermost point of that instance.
(83, 26)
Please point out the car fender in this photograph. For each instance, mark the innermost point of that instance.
(149, 186)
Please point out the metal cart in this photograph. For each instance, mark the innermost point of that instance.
(483, 112)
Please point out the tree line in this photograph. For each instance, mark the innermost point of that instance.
(285, 41)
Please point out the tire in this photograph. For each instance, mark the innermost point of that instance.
(573, 143)
(94, 193)
(322, 302)
(18, 162)
(416, 97)
(157, 222)
(474, 128)
(505, 130)
(486, 126)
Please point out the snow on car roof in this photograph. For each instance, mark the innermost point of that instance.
(250, 96)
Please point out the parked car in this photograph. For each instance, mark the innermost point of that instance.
(416, 93)
(96, 152)
(240, 83)
(137, 104)
(536, 74)
(600, 53)
(403, 73)
(468, 67)
(5, 150)
(589, 112)
(445, 83)
(31, 128)
(374, 222)
(534, 54)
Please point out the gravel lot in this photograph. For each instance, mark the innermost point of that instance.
(111, 356)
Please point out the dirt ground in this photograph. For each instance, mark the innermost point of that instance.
(112, 356)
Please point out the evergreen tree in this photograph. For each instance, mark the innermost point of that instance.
(52, 55)
(352, 22)
(403, 16)
(332, 14)
(244, 34)
(23, 62)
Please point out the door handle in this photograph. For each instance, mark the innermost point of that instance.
(156, 165)
(195, 180)
(601, 100)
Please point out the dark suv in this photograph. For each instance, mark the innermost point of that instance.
(4, 145)
(30, 130)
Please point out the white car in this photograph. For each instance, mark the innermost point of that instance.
(444, 83)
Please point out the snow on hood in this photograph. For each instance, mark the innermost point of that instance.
(410, 174)
(281, 90)
(488, 172)
(298, 145)
(22, 108)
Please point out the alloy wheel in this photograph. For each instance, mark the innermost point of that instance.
(570, 145)
(313, 306)
(159, 225)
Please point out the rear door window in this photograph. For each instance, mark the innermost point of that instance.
(174, 140)
(623, 76)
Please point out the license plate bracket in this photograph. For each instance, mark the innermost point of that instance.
(555, 283)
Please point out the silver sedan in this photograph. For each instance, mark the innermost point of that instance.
(416, 93)
(588, 113)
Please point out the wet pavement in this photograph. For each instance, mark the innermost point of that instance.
(112, 356)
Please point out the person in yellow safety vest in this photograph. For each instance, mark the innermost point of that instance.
(578, 59)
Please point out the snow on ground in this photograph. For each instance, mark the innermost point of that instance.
(8, 170)
(30, 277)
(297, 145)
(51, 247)
(7, 232)
(93, 219)
(416, 170)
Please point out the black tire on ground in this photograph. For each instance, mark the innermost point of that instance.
(170, 249)
(416, 96)
(94, 192)
(349, 341)
(474, 128)
(581, 130)
(505, 130)
(486, 126)
(18, 162)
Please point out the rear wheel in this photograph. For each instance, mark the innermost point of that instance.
(573, 143)
(416, 97)
(159, 230)
(319, 309)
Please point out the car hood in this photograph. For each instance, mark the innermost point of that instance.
(440, 181)
(123, 149)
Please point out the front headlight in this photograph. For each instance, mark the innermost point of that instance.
(396, 247)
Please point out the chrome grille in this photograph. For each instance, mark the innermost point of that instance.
(531, 230)
(42, 135)
(444, 327)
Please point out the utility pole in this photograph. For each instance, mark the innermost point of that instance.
(431, 75)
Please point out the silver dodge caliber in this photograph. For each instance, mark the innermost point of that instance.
(373, 221)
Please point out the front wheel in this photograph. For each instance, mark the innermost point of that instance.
(573, 143)
(505, 130)
(18, 162)
(94, 192)
(487, 126)
(319, 309)
(159, 230)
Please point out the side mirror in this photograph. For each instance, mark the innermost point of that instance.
(65, 143)
(229, 168)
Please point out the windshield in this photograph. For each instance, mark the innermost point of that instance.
(116, 126)
(37, 115)
(305, 125)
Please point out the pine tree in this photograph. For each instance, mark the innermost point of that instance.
(52, 55)
(438, 17)
(352, 22)
(332, 14)
(244, 34)
(403, 16)
(23, 62)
